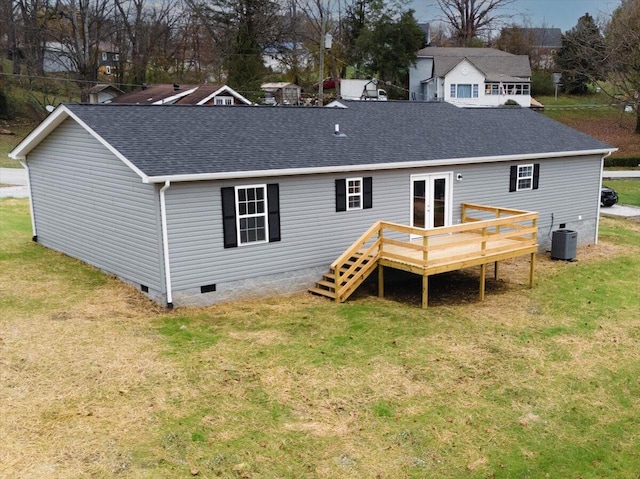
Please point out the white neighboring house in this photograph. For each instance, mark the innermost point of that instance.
(103, 92)
(280, 57)
(58, 58)
(470, 77)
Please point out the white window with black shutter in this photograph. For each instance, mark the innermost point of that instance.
(524, 177)
(250, 214)
(354, 194)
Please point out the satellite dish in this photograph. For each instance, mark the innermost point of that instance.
(50, 108)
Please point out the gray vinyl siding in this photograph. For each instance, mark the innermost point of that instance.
(89, 205)
(569, 188)
(421, 71)
(314, 234)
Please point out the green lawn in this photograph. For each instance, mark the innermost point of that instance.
(628, 190)
(9, 142)
(99, 382)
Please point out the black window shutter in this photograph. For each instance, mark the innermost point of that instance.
(341, 195)
(273, 200)
(229, 217)
(367, 192)
(513, 179)
(536, 175)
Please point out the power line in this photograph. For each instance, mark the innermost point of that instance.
(41, 77)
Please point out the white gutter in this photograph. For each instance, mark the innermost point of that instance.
(368, 167)
(600, 193)
(33, 218)
(165, 243)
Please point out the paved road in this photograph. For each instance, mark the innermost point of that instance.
(621, 174)
(18, 177)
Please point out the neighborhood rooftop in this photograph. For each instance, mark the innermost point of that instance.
(495, 64)
(165, 142)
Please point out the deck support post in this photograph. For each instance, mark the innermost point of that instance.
(495, 270)
(380, 281)
(531, 268)
(483, 274)
(425, 291)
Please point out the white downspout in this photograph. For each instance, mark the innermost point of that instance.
(33, 218)
(165, 243)
(599, 193)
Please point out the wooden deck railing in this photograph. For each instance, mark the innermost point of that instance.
(486, 234)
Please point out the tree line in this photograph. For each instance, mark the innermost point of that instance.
(194, 41)
(215, 40)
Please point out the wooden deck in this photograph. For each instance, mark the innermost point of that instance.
(486, 235)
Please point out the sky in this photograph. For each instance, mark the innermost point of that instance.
(561, 14)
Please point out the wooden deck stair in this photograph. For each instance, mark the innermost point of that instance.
(491, 235)
(327, 285)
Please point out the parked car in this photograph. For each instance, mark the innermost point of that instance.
(327, 84)
(608, 196)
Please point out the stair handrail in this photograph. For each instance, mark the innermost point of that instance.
(357, 244)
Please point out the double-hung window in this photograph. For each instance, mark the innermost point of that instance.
(354, 193)
(251, 202)
(250, 214)
(524, 177)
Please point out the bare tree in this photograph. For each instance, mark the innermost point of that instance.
(8, 41)
(81, 27)
(148, 27)
(31, 33)
(240, 30)
(470, 19)
(622, 37)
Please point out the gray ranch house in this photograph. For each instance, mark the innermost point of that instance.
(196, 205)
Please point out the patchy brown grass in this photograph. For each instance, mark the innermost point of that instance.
(299, 386)
(80, 385)
(618, 132)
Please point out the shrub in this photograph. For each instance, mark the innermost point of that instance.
(7, 110)
(629, 162)
(541, 83)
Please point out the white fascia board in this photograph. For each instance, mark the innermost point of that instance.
(172, 99)
(39, 133)
(230, 91)
(50, 123)
(371, 167)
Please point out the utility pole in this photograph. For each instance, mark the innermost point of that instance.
(323, 28)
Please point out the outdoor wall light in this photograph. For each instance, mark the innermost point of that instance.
(459, 177)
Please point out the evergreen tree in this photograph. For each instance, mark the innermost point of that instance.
(388, 48)
(581, 57)
(382, 40)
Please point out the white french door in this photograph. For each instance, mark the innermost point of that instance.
(431, 200)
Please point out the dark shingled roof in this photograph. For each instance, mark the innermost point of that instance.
(187, 140)
(495, 64)
(538, 37)
(152, 93)
(200, 94)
